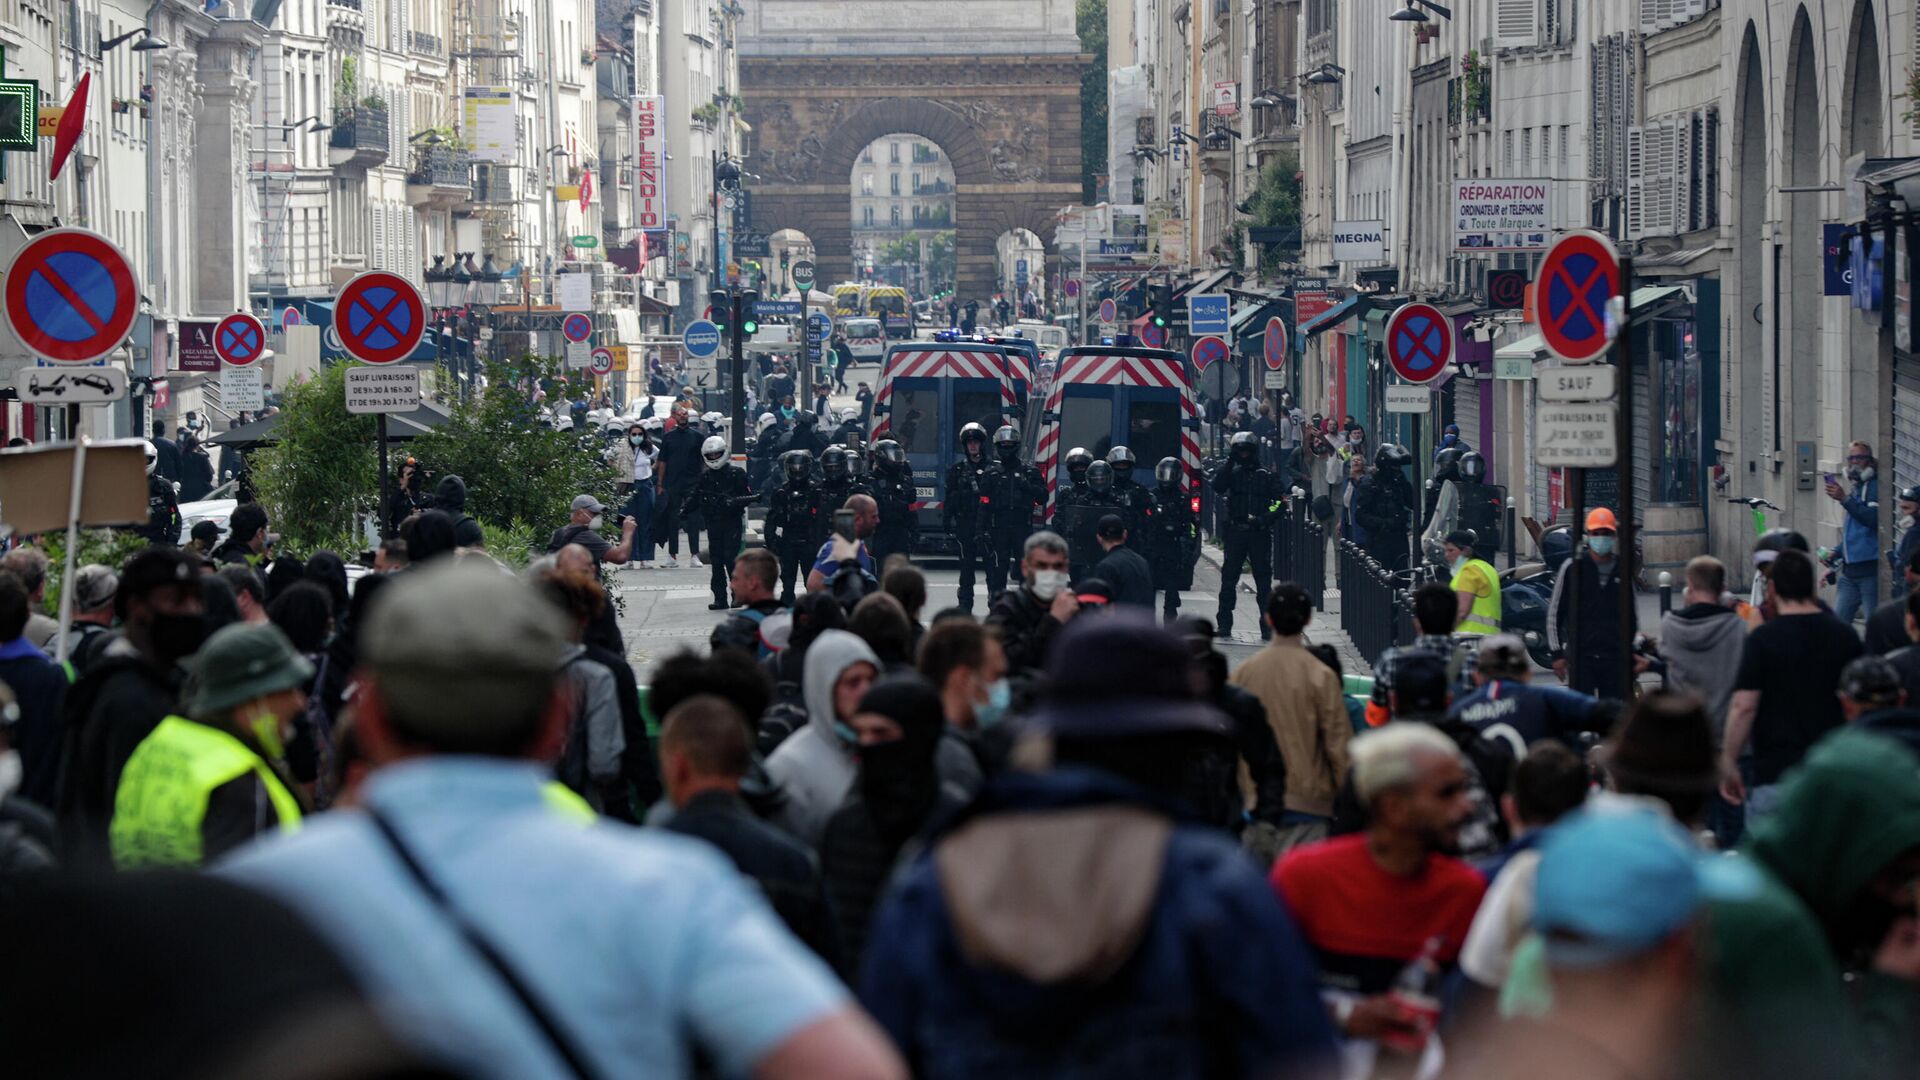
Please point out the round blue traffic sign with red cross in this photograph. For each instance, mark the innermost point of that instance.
(1273, 346)
(380, 317)
(1419, 342)
(1109, 311)
(1208, 351)
(71, 296)
(239, 339)
(1578, 278)
(1153, 337)
(577, 327)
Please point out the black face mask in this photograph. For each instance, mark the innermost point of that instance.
(176, 637)
(899, 783)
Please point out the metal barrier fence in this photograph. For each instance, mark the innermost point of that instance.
(1300, 551)
(1375, 607)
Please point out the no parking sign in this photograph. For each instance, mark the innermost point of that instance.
(1419, 342)
(71, 296)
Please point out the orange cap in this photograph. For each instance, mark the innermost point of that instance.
(1601, 518)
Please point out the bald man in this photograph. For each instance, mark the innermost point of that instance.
(866, 516)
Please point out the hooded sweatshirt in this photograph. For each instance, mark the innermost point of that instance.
(450, 495)
(1702, 643)
(814, 767)
(1850, 808)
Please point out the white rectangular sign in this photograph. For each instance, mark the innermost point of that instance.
(1491, 214)
(579, 354)
(1409, 399)
(573, 292)
(1359, 241)
(67, 385)
(391, 389)
(1591, 382)
(1576, 436)
(243, 388)
(487, 123)
(1513, 367)
(649, 162)
(1226, 97)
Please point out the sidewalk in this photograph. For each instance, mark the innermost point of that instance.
(1324, 630)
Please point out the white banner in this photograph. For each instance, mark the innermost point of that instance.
(649, 162)
(1502, 215)
(487, 122)
(1359, 241)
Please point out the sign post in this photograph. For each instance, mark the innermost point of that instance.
(381, 318)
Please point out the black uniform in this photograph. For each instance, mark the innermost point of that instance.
(1076, 514)
(1481, 508)
(793, 530)
(719, 495)
(833, 493)
(892, 489)
(163, 511)
(1022, 494)
(1136, 509)
(1246, 532)
(1383, 508)
(1173, 545)
(968, 514)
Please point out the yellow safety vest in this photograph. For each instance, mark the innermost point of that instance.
(1484, 618)
(568, 802)
(162, 799)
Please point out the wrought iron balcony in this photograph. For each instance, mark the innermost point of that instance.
(359, 138)
(441, 176)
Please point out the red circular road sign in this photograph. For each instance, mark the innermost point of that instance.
(1153, 337)
(380, 317)
(1578, 278)
(1109, 311)
(71, 296)
(1209, 350)
(239, 339)
(1274, 346)
(1419, 342)
(577, 327)
(1071, 287)
(600, 361)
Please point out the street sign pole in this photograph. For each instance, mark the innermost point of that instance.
(736, 371)
(386, 480)
(1625, 566)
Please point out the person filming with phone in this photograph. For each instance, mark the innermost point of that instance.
(852, 524)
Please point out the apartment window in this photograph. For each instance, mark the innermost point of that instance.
(1566, 136)
(866, 216)
(866, 183)
(866, 155)
(896, 217)
(893, 183)
(893, 153)
(1526, 149)
(1506, 152)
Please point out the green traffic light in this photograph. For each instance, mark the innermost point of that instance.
(751, 326)
(1160, 320)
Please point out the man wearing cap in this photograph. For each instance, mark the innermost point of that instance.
(1587, 657)
(1123, 568)
(1067, 923)
(458, 853)
(1506, 705)
(1873, 697)
(94, 589)
(197, 788)
(583, 528)
(1859, 571)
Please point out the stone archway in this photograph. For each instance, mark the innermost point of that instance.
(1010, 126)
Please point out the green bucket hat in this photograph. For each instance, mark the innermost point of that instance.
(240, 663)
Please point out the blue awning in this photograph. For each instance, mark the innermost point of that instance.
(1333, 316)
(317, 312)
(1248, 328)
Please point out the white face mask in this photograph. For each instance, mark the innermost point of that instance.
(11, 772)
(1048, 583)
(594, 521)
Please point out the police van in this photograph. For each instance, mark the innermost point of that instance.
(927, 392)
(866, 339)
(1103, 396)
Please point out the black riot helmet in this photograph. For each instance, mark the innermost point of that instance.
(805, 418)
(1392, 456)
(973, 437)
(1123, 461)
(1100, 477)
(1446, 464)
(833, 462)
(1078, 460)
(797, 463)
(889, 451)
(1167, 473)
(1245, 447)
(1473, 467)
(1006, 443)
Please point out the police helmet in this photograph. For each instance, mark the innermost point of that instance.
(1244, 446)
(1392, 456)
(1167, 473)
(766, 421)
(1473, 467)
(1006, 442)
(833, 462)
(890, 452)
(805, 418)
(713, 420)
(1122, 460)
(798, 463)
(973, 433)
(1556, 546)
(1078, 461)
(1100, 476)
(715, 451)
(153, 454)
(1446, 463)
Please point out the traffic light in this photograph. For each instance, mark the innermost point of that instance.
(721, 307)
(749, 322)
(1162, 306)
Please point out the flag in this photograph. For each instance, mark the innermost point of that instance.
(72, 123)
(586, 189)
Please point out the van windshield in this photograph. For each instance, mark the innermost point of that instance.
(1088, 422)
(862, 328)
(1153, 431)
(977, 406)
(916, 418)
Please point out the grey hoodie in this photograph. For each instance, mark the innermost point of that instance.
(814, 767)
(1702, 643)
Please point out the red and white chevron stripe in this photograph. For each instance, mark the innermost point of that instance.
(1101, 369)
(950, 363)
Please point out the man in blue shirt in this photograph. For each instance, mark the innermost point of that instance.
(1860, 539)
(495, 922)
(1506, 705)
(866, 516)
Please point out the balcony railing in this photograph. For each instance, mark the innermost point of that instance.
(354, 4)
(938, 187)
(442, 167)
(426, 44)
(362, 134)
(492, 183)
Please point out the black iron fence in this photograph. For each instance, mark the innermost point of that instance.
(1300, 550)
(1376, 608)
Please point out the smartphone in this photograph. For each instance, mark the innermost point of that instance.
(1834, 479)
(843, 524)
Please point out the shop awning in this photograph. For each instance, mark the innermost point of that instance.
(1530, 347)
(1655, 301)
(1333, 316)
(266, 431)
(1672, 260)
(1210, 283)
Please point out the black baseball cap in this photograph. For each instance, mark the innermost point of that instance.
(1419, 686)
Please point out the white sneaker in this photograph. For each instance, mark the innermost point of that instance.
(669, 563)
(646, 564)
(693, 561)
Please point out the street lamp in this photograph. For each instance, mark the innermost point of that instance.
(319, 125)
(147, 42)
(1326, 74)
(1410, 12)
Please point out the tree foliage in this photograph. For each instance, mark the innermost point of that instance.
(1091, 17)
(324, 469)
(1275, 203)
(519, 475)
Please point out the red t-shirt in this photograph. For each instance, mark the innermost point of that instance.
(1366, 924)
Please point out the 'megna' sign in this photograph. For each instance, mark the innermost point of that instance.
(1359, 241)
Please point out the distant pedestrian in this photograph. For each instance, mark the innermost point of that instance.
(39, 692)
(1301, 697)
(1123, 567)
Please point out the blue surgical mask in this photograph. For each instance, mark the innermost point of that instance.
(1459, 564)
(1601, 545)
(846, 733)
(994, 709)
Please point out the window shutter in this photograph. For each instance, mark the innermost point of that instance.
(1636, 193)
(377, 256)
(1516, 24)
(1684, 144)
(1710, 168)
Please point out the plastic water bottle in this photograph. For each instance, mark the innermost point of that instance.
(1416, 994)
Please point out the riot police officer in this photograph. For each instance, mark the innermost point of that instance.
(794, 530)
(1083, 519)
(1077, 461)
(891, 483)
(1446, 468)
(163, 504)
(1022, 494)
(1481, 503)
(1173, 536)
(1384, 507)
(719, 494)
(837, 482)
(1136, 501)
(1252, 502)
(968, 513)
